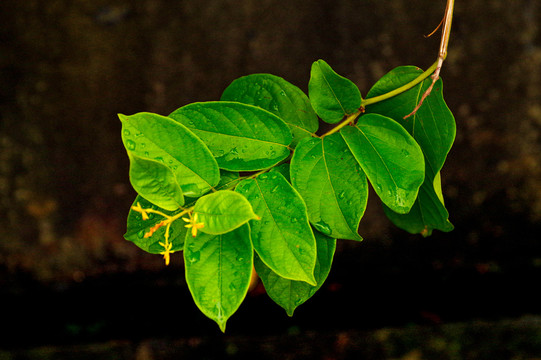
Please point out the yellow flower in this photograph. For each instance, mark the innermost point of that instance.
(193, 224)
(167, 251)
(143, 212)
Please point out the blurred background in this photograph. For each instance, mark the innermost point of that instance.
(72, 288)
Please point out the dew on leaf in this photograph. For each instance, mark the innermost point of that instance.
(342, 195)
(194, 256)
(141, 234)
(130, 145)
(275, 189)
(126, 132)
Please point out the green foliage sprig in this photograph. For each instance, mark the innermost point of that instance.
(247, 181)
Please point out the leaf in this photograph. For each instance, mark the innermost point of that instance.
(278, 96)
(137, 228)
(155, 182)
(332, 96)
(223, 211)
(218, 271)
(282, 238)
(428, 212)
(332, 185)
(432, 126)
(290, 294)
(159, 138)
(241, 137)
(390, 158)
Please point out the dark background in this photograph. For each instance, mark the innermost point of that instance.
(68, 67)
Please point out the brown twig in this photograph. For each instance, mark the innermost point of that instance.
(446, 31)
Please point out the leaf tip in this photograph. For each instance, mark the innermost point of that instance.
(122, 117)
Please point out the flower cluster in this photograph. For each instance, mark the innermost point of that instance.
(168, 220)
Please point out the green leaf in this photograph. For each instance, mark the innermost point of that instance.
(289, 294)
(332, 184)
(159, 138)
(432, 126)
(282, 238)
(155, 182)
(218, 271)
(137, 228)
(223, 211)
(241, 137)
(278, 96)
(390, 158)
(428, 213)
(332, 95)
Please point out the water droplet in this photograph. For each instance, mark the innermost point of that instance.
(232, 287)
(342, 195)
(263, 176)
(323, 228)
(126, 132)
(194, 256)
(272, 153)
(240, 258)
(159, 158)
(401, 196)
(405, 152)
(282, 93)
(130, 145)
(147, 153)
(274, 107)
(275, 189)
(143, 145)
(294, 220)
(141, 234)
